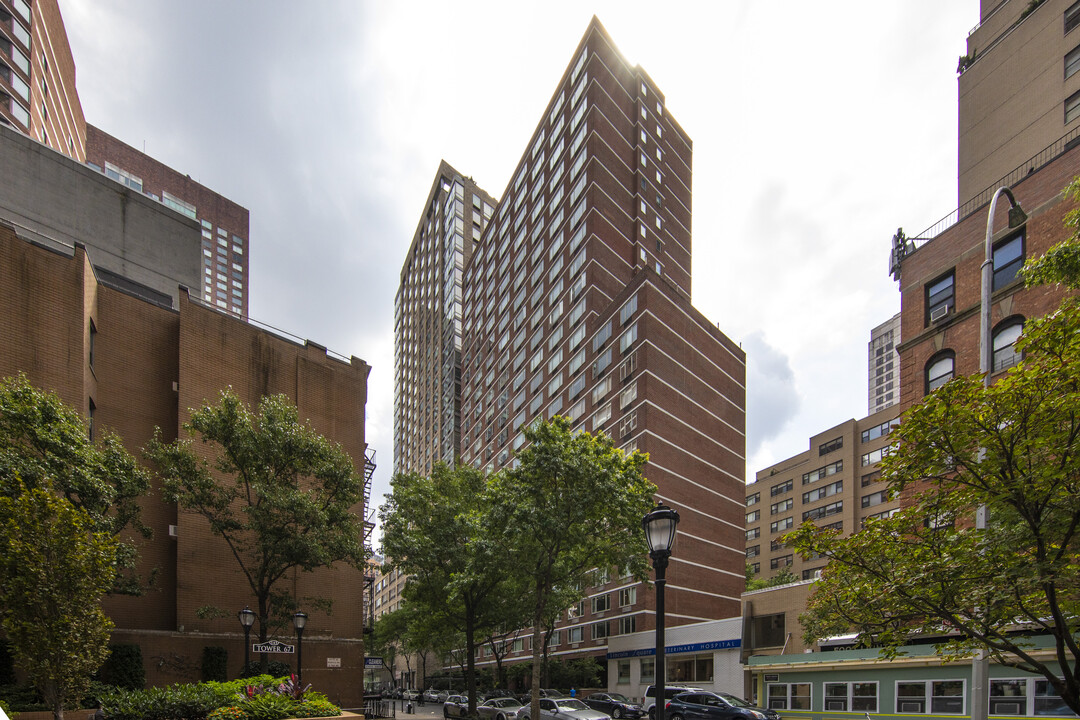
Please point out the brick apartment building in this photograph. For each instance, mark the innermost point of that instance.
(576, 301)
(38, 97)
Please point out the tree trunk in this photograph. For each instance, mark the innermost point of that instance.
(470, 670)
(535, 705)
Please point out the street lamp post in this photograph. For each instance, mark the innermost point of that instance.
(299, 622)
(660, 527)
(980, 671)
(247, 619)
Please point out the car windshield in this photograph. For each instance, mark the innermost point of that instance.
(571, 704)
(736, 701)
(618, 698)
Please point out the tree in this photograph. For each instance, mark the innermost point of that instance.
(280, 495)
(45, 443)
(436, 529)
(572, 506)
(1013, 447)
(783, 577)
(55, 566)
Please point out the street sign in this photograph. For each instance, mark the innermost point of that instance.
(373, 662)
(274, 646)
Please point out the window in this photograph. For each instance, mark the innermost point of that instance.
(628, 395)
(781, 488)
(601, 603)
(874, 499)
(778, 562)
(1072, 17)
(753, 517)
(874, 456)
(624, 665)
(1072, 107)
(753, 551)
(755, 533)
(1004, 343)
(855, 696)
(824, 511)
(627, 596)
(834, 444)
(753, 499)
(945, 696)
(767, 631)
(696, 668)
(940, 298)
(1008, 697)
(782, 525)
(939, 371)
(878, 431)
(600, 630)
(648, 670)
(93, 337)
(780, 507)
(1008, 256)
(628, 625)
(788, 696)
(576, 611)
(823, 492)
(821, 472)
(1072, 62)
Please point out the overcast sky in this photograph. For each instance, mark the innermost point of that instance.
(818, 129)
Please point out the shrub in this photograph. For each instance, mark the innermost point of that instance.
(6, 710)
(215, 663)
(270, 706)
(316, 707)
(124, 668)
(23, 698)
(274, 667)
(231, 712)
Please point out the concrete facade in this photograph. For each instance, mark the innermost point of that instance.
(58, 200)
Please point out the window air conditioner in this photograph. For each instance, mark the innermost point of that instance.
(939, 313)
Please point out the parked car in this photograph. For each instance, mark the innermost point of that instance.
(410, 695)
(431, 695)
(499, 708)
(614, 704)
(563, 709)
(455, 706)
(648, 705)
(526, 697)
(497, 693)
(704, 705)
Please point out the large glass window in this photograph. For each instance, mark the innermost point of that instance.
(1008, 257)
(1004, 343)
(940, 298)
(788, 696)
(939, 371)
(768, 631)
(695, 668)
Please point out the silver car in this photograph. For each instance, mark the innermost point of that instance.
(503, 708)
(563, 709)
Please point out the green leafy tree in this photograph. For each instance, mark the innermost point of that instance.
(436, 529)
(280, 495)
(1013, 447)
(55, 566)
(573, 505)
(45, 443)
(783, 577)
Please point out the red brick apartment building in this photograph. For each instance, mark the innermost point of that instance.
(38, 97)
(576, 301)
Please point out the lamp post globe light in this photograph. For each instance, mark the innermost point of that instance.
(247, 619)
(660, 527)
(299, 622)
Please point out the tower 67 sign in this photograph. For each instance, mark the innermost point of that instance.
(274, 646)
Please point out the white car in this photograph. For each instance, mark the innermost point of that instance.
(563, 709)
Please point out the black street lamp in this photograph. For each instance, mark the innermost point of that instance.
(660, 527)
(247, 619)
(299, 620)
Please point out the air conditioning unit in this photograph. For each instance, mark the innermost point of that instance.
(939, 313)
(174, 531)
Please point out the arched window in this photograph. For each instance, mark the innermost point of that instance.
(1004, 343)
(939, 370)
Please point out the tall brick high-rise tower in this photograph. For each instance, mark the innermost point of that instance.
(576, 301)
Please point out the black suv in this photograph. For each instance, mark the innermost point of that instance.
(703, 705)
